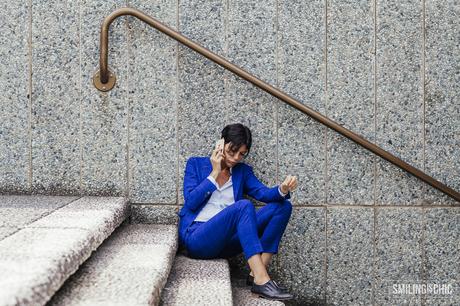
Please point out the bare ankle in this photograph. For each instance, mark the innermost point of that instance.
(261, 280)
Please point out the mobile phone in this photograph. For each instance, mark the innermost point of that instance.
(220, 143)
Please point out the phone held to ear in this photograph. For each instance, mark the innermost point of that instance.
(220, 143)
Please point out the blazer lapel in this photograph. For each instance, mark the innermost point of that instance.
(237, 175)
(206, 168)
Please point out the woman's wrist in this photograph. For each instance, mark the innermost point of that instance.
(283, 191)
(214, 174)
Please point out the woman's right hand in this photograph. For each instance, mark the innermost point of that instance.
(216, 158)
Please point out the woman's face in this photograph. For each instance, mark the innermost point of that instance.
(231, 158)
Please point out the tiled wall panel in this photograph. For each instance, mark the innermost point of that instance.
(104, 116)
(350, 100)
(301, 74)
(399, 101)
(14, 100)
(55, 120)
(442, 96)
(152, 105)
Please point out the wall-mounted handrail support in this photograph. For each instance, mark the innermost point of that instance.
(104, 80)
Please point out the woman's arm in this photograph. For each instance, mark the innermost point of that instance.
(196, 193)
(256, 189)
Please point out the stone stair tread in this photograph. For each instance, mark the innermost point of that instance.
(242, 296)
(130, 268)
(39, 256)
(198, 282)
(20, 210)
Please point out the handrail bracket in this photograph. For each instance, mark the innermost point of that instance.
(112, 79)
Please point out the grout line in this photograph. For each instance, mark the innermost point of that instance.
(374, 257)
(276, 101)
(12, 233)
(326, 100)
(226, 72)
(128, 141)
(357, 206)
(155, 204)
(423, 255)
(80, 184)
(334, 206)
(30, 52)
(325, 255)
(423, 72)
(177, 105)
(375, 157)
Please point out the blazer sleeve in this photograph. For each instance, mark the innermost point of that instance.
(256, 189)
(196, 192)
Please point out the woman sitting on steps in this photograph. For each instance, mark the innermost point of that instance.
(217, 222)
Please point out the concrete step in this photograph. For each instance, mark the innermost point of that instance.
(53, 239)
(18, 211)
(129, 268)
(198, 282)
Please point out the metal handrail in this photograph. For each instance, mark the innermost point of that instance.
(104, 80)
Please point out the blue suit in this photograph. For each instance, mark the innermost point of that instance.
(238, 227)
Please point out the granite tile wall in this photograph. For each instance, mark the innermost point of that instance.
(399, 99)
(256, 54)
(301, 264)
(302, 73)
(103, 116)
(442, 94)
(365, 255)
(350, 252)
(442, 236)
(388, 70)
(377, 69)
(399, 254)
(55, 109)
(15, 98)
(350, 100)
(152, 83)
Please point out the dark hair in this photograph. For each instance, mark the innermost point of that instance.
(238, 135)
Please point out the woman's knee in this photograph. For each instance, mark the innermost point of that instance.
(286, 207)
(245, 204)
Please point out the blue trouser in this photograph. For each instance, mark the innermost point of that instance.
(239, 228)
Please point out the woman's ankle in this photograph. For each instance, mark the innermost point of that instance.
(261, 280)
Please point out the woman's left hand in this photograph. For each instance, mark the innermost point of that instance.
(289, 184)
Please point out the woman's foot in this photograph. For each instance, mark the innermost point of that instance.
(250, 282)
(271, 291)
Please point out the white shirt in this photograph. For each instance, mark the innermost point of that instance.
(221, 198)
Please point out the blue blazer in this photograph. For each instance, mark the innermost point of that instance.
(198, 189)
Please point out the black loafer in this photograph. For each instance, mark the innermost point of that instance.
(250, 282)
(271, 291)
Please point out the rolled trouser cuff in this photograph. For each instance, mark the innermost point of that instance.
(251, 250)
